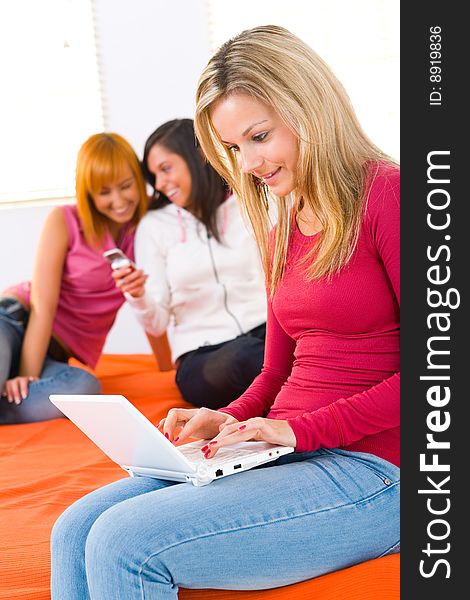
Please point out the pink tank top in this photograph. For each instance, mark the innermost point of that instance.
(89, 299)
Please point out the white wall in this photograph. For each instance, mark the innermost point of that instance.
(151, 53)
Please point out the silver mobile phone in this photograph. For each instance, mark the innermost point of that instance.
(118, 259)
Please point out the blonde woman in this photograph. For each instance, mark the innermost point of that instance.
(272, 119)
(70, 305)
(206, 284)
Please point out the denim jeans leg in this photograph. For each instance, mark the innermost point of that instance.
(264, 528)
(56, 378)
(11, 338)
(70, 532)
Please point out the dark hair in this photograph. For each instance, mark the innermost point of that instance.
(208, 189)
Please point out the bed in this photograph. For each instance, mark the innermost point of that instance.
(46, 466)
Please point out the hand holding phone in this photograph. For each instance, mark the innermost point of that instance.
(118, 259)
(134, 281)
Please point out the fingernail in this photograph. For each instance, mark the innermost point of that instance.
(167, 436)
(206, 455)
(176, 439)
(204, 449)
(212, 443)
(242, 427)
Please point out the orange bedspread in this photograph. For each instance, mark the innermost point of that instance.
(45, 466)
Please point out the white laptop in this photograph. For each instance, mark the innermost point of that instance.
(135, 444)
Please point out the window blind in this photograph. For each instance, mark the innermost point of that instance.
(50, 101)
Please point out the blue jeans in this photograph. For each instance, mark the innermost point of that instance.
(300, 517)
(56, 377)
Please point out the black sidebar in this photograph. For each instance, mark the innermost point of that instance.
(435, 331)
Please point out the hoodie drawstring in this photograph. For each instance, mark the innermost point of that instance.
(181, 226)
(225, 219)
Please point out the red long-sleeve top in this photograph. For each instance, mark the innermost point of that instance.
(331, 365)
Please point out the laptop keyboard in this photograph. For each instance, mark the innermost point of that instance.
(195, 456)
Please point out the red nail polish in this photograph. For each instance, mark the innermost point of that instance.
(167, 437)
(176, 439)
(242, 427)
(204, 449)
(206, 455)
(212, 443)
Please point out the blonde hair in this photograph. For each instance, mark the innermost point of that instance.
(277, 68)
(102, 160)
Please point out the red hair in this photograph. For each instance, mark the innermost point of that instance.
(102, 160)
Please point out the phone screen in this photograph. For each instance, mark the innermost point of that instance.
(118, 259)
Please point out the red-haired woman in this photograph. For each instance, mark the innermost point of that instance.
(71, 303)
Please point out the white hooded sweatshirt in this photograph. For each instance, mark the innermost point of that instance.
(200, 291)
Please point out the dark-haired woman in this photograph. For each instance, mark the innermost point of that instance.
(205, 283)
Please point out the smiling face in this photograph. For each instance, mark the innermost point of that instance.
(172, 175)
(118, 200)
(262, 143)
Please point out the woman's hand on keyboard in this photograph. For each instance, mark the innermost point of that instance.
(274, 431)
(201, 423)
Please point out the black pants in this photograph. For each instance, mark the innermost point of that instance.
(213, 376)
